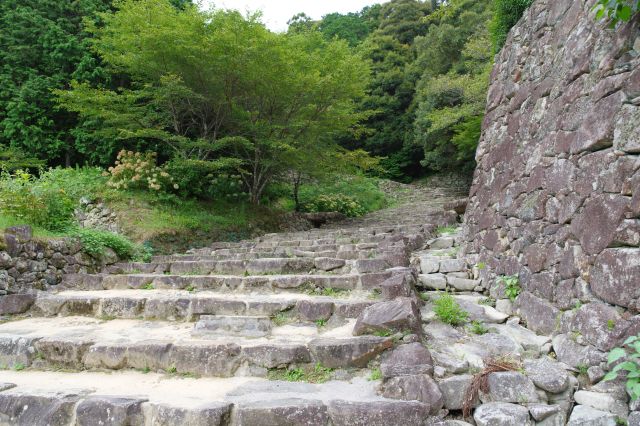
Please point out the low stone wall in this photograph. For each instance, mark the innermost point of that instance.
(556, 195)
(28, 264)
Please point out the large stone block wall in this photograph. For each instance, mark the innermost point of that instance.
(28, 264)
(555, 197)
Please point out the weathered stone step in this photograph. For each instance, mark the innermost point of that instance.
(182, 305)
(133, 398)
(86, 343)
(266, 266)
(225, 283)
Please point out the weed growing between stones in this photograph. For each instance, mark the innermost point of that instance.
(582, 369)
(190, 288)
(19, 366)
(376, 374)
(321, 322)
(281, 318)
(311, 374)
(630, 352)
(148, 286)
(511, 286)
(440, 230)
(424, 296)
(449, 311)
(375, 294)
(488, 301)
(477, 327)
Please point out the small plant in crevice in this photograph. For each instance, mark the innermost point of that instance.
(424, 296)
(148, 286)
(281, 318)
(477, 327)
(376, 374)
(629, 354)
(582, 369)
(321, 323)
(611, 324)
(449, 311)
(440, 230)
(511, 286)
(19, 366)
(312, 374)
(487, 301)
(382, 333)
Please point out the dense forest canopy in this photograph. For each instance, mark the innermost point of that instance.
(404, 80)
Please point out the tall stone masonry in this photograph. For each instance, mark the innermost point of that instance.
(555, 197)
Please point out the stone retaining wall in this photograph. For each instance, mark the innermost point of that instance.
(28, 264)
(556, 195)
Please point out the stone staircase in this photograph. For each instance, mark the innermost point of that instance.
(272, 331)
(333, 326)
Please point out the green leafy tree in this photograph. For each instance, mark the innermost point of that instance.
(43, 46)
(219, 87)
(390, 49)
(455, 58)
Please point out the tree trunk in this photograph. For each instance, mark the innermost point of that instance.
(296, 190)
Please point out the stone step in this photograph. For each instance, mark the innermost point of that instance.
(80, 343)
(265, 266)
(182, 305)
(133, 398)
(226, 283)
(245, 326)
(366, 250)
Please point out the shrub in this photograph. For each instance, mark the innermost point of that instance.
(631, 365)
(205, 180)
(77, 183)
(335, 203)
(94, 243)
(35, 201)
(449, 311)
(506, 14)
(362, 190)
(135, 170)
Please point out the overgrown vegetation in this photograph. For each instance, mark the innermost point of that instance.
(448, 310)
(626, 358)
(506, 15)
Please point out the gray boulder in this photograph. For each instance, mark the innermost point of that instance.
(510, 386)
(412, 358)
(502, 414)
(400, 315)
(16, 303)
(547, 374)
(454, 389)
(418, 387)
(587, 416)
